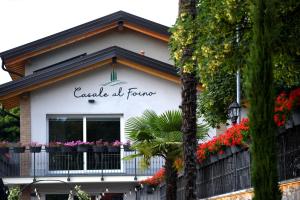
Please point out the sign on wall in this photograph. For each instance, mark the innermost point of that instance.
(114, 88)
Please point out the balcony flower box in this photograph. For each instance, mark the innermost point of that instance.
(114, 147)
(288, 124)
(150, 189)
(100, 147)
(35, 147)
(4, 150)
(235, 149)
(4, 147)
(213, 158)
(84, 146)
(296, 117)
(53, 147)
(127, 146)
(69, 147)
(19, 149)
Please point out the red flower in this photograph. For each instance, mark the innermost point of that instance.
(156, 179)
(232, 136)
(284, 104)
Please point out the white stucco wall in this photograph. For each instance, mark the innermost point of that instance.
(127, 39)
(59, 98)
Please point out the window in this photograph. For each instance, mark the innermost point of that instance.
(63, 128)
(58, 197)
(108, 196)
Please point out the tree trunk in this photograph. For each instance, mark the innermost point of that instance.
(3, 188)
(260, 94)
(171, 180)
(189, 105)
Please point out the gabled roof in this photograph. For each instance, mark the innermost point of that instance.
(82, 64)
(15, 58)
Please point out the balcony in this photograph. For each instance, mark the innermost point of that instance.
(67, 166)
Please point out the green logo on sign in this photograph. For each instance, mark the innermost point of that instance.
(113, 79)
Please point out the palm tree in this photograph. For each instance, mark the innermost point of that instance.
(160, 135)
(187, 15)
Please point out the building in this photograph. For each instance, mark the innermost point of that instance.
(83, 84)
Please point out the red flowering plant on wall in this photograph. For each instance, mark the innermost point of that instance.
(156, 179)
(284, 104)
(236, 135)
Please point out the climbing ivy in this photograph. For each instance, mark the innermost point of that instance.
(183, 34)
(223, 32)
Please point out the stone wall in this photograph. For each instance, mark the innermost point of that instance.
(290, 191)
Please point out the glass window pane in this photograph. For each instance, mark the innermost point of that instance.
(108, 130)
(105, 129)
(58, 197)
(63, 129)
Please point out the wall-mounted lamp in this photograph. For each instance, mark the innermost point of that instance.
(234, 111)
(91, 100)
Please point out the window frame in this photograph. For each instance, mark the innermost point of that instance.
(84, 117)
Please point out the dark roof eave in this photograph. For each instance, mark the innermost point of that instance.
(83, 62)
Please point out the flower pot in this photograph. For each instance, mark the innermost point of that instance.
(296, 117)
(213, 158)
(127, 148)
(281, 129)
(99, 149)
(68, 149)
(83, 148)
(4, 150)
(235, 149)
(288, 124)
(150, 189)
(112, 149)
(35, 149)
(228, 151)
(19, 149)
(222, 156)
(52, 149)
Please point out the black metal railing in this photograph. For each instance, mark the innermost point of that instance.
(44, 164)
(228, 174)
(232, 172)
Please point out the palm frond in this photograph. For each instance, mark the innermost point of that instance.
(158, 135)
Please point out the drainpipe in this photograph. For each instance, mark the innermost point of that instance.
(9, 71)
(238, 92)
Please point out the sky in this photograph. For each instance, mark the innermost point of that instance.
(24, 21)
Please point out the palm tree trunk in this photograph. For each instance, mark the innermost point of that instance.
(189, 83)
(3, 189)
(189, 97)
(171, 180)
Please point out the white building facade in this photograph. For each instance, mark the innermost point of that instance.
(84, 84)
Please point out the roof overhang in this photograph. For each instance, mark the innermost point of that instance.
(15, 59)
(10, 92)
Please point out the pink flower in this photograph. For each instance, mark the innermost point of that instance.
(116, 143)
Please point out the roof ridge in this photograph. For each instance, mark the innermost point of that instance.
(82, 28)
